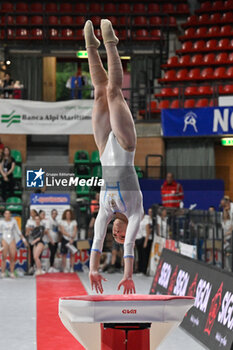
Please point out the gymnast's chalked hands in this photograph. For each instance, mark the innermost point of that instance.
(128, 284)
(96, 281)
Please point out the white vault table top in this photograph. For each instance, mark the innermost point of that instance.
(131, 308)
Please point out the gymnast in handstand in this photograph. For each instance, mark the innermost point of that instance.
(115, 136)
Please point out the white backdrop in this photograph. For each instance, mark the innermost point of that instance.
(50, 118)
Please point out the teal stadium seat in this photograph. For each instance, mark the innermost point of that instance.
(81, 157)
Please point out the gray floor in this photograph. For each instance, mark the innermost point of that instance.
(18, 313)
(177, 339)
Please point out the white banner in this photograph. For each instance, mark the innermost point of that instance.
(188, 250)
(225, 101)
(50, 118)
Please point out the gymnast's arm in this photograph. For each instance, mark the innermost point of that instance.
(100, 230)
(131, 233)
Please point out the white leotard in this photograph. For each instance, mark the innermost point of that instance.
(9, 229)
(120, 193)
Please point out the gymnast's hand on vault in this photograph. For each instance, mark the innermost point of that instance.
(128, 284)
(96, 281)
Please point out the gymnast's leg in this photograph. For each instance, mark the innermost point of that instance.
(121, 119)
(100, 114)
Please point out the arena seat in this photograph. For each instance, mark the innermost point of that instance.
(66, 20)
(16, 154)
(66, 7)
(21, 7)
(226, 30)
(182, 8)
(182, 74)
(217, 6)
(139, 8)
(7, 7)
(110, 7)
(197, 59)
(230, 57)
(81, 157)
(79, 34)
(221, 58)
(202, 102)
(170, 75)
(140, 21)
(205, 90)
(229, 72)
(14, 204)
(211, 102)
(205, 6)
(201, 32)
(36, 7)
(141, 34)
(192, 20)
(155, 34)
(21, 33)
(211, 44)
(227, 17)
(203, 19)
(189, 103)
(152, 7)
(51, 7)
(187, 46)
(96, 20)
(184, 60)
(38, 20)
(67, 34)
(79, 20)
(37, 33)
(228, 89)
(213, 31)
(53, 34)
(123, 34)
(168, 8)
(228, 5)
(173, 61)
(223, 43)
(194, 74)
(207, 73)
(22, 20)
(175, 104)
(10, 34)
(199, 45)
(124, 21)
(124, 8)
(155, 21)
(80, 8)
(166, 92)
(7, 20)
(164, 104)
(215, 18)
(95, 157)
(53, 20)
(95, 8)
(209, 58)
(17, 172)
(189, 33)
(191, 91)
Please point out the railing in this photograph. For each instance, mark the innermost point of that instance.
(202, 229)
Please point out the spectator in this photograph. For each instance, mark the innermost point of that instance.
(117, 257)
(162, 226)
(8, 84)
(171, 192)
(94, 208)
(9, 228)
(148, 238)
(227, 204)
(6, 169)
(139, 246)
(54, 234)
(69, 229)
(30, 225)
(38, 244)
(227, 226)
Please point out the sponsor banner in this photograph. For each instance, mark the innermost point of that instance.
(50, 118)
(225, 101)
(197, 121)
(188, 250)
(48, 202)
(156, 250)
(210, 320)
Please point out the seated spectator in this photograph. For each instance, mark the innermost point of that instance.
(69, 231)
(7, 166)
(162, 226)
(37, 235)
